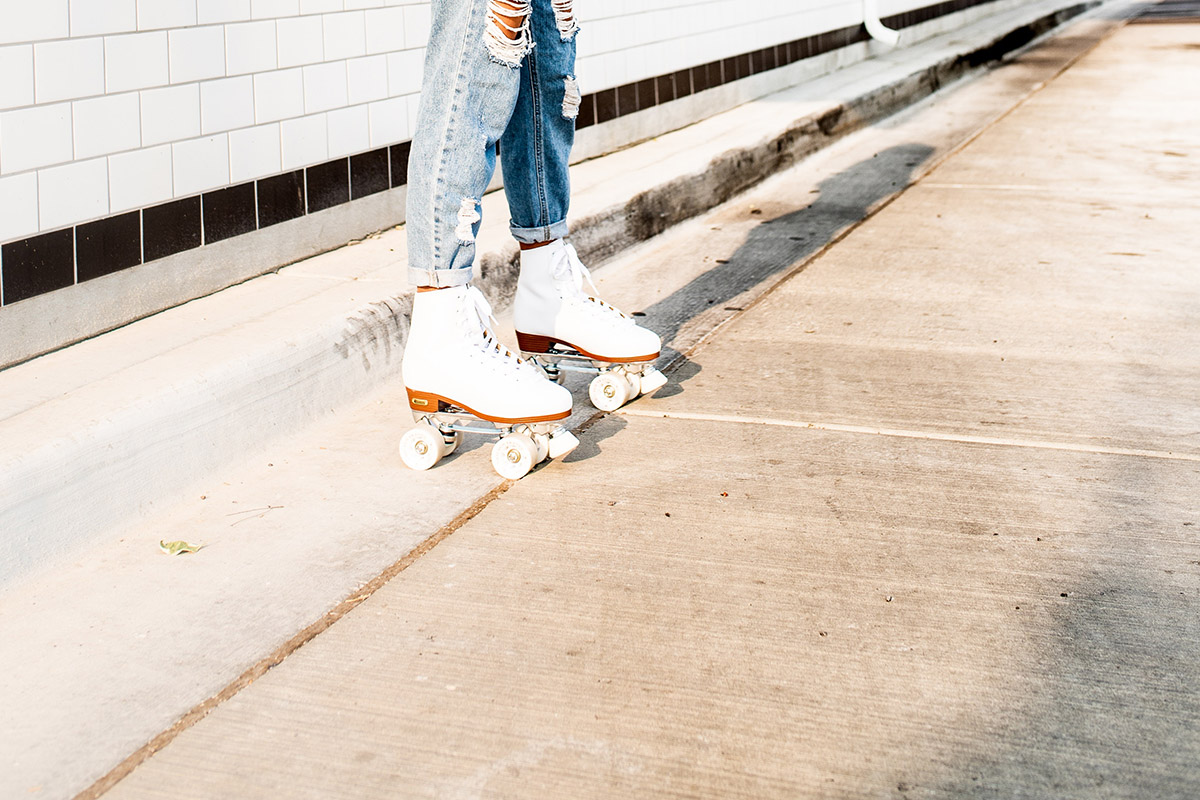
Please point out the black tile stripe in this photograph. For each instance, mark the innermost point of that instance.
(108, 245)
(171, 228)
(229, 212)
(369, 173)
(280, 198)
(328, 184)
(38, 264)
(49, 261)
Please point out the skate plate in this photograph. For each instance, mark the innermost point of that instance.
(520, 446)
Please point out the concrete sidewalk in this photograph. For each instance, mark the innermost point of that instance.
(919, 522)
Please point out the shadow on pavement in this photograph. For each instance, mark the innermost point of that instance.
(777, 244)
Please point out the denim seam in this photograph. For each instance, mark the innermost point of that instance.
(539, 153)
(452, 120)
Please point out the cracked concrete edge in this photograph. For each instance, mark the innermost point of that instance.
(130, 465)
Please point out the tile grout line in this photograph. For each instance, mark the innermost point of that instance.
(900, 433)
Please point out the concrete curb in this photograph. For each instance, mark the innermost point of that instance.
(288, 353)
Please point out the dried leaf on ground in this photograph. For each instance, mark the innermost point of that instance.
(175, 548)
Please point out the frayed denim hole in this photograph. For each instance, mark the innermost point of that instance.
(564, 16)
(468, 215)
(505, 44)
(571, 98)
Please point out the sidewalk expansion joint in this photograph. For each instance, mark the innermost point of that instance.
(256, 671)
(962, 438)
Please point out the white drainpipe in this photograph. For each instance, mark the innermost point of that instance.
(877, 30)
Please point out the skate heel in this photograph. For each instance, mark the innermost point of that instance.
(531, 343)
(423, 402)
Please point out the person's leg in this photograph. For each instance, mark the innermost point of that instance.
(473, 66)
(452, 358)
(551, 306)
(536, 146)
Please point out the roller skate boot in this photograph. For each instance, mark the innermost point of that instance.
(460, 379)
(565, 329)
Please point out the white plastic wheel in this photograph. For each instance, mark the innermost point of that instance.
(652, 380)
(635, 383)
(609, 391)
(452, 445)
(422, 447)
(542, 440)
(562, 443)
(514, 455)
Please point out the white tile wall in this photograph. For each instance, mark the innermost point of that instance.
(16, 65)
(200, 164)
(325, 87)
(18, 206)
(250, 47)
(170, 114)
(210, 11)
(301, 41)
(35, 137)
(140, 101)
(226, 104)
(254, 153)
(136, 61)
(92, 17)
(345, 35)
(349, 131)
(165, 14)
(404, 71)
(367, 79)
(320, 6)
(416, 25)
(263, 9)
(304, 141)
(279, 95)
(140, 178)
(385, 29)
(107, 124)
(33, 20)
(197, 53)
(72, 193)
(389, 121)
(68, 68)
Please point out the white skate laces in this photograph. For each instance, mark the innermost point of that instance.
(572, 272)
(478, 320)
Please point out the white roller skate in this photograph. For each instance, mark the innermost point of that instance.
(565, 329)
(460, 379)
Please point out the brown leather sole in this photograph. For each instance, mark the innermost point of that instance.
(427, 403)
(532, 343)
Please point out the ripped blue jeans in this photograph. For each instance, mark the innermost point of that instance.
(488, 80)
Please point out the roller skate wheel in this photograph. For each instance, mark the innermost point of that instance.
(542, 440)
(652, 380)
(422, 447)
(562, 443)
(635, 384)
(609, 391)
(514, 455)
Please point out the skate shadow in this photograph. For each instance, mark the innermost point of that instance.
(779, 242)
(590, 438)
(682, 370)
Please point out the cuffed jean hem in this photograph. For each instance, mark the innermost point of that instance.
(542, 233)
(439, 278)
